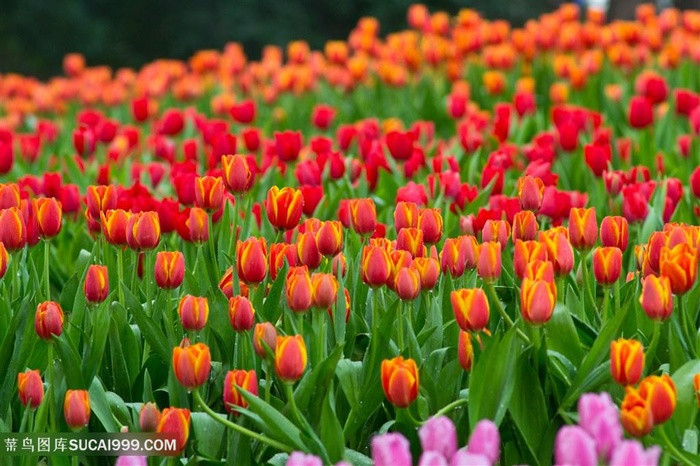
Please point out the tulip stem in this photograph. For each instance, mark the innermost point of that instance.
(289, 390)
(651, 350)
(606, 302)
(25, 417)
(400, 323)
(240, 429)
(268, 381)
(47, 282)
(317, 318)
(616, 290)
(506, 318)
(674, 451)
(120, 273)
(447, 408)
(684, 324)
(211, 241)
(234, 226)
(51, 397)
(587, 292)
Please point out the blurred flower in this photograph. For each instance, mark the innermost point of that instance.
(149, 417)
(391, 449)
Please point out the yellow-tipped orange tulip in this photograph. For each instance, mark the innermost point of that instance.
(660, 392)
(76, 409)
(400, 381)
(626, 361)
(175, 421)
(607, 265)
(471, 309)
(657, 298)
(537, 300)
(290, 358)
(191, 364)
(583, 228)
(680, 265)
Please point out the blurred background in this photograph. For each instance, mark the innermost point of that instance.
(35, 34)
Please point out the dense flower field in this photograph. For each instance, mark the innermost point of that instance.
(459, 234)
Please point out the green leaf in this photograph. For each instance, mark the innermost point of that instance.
(274, 424)
(357, 459)
(350, 376)
(96, 344)
(121, 376)
(271, 308)
(562, 336)
(331, 430)
(70, 362)
(493, 380)
(153, 334)
(314, 385)
(686, 404)
(100, 406)
(208, 433)
(15, 349)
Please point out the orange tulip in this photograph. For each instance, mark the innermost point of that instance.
(526, 252)
(30, 388)
(175, 421)
(376, 266)
(428, 269)
(400, 381)
(324, 288)
(290, 358)
(13, 230)
(489, 264)
(656, 298)
(696, 387)
(279, 253)
(298, 290)
(196, 227)
(10, 195)
(96, 285)
(191, 364)
(251, 260)
(530, 193)
(471, 309)
(465, 350)
(583, 228)
(430, 222)
(76, 409)
(407, 284)
(496, 231)
(607, 265)
(614, 232)
(209, 192)
(193, 312)
(4, 260)
(680, 265)
(241, 313)
(626, 361)
(149, 417)
(247, 380)
(237, 174)
(453, 257)
(100, 199)
(406, 215)
(363, 216)
(48, 320)
(329, 238)
(411, 240)
(49, 216)
(284, 207)
(264, 334)
(169, 269)
(525, 226)
(559, 252)
(114, 224)
(537, 300)
(636, 415)
(143, 231)
(307, 250)
(660, 393)
(539, 270)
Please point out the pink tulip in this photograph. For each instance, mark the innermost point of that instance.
(485, 440)
(439, 434)
(432, 458)
(599, 416)
(464, 458)
(131, 461)
(574, 447)
(632, 452)
(298, 458)
(391, 450)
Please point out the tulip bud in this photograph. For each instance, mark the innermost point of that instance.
(660, 393)
(30, 388)
(680, 265)
(525, 226)
(307, 250)
(290, 358)
(400, 381)
(636, 415)
(465, 350)
(376, 266)
(406, 215)
(626, 361)
(175, 421)
(324, 288)
(10, 195)
(169, 269)
(193, 312)
(96, 285)
(265, 334)
(191, 364)
(614, 232)
(430, 222)
(196, 225)
(49, 216)
(428, 269)
(329, 238)
(100, 199)
(537, 300)
(530, 193)
(489, 263)
(363, 216)
(559, 252)
(298, 289)
(656, 298)
(251, 260)
(114, 225)
(149, 417)
(241, 313)
(496, 231)
(209, 193)
(279, 253)
(574, 445)
(471, 309)
(247, 380)
(48, 320)
(13, 230)
(143, 231)
(526, 252)
(407, 284)
(607, 265)
(237, 174)
(76, 409)
(583, 228)
(453, 257)
(284, 207)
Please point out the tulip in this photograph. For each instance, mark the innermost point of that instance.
(428, 269)
(660, 392)
(143, 231)
(209, 192)
(400, 381)
(496, 231)
(433, 458)
(288, 144)
(525, 226)
(114, 225)
(100, 199)
(407, 284)
(400, 144)
(290, 358)
(298, 289)
(626, 361)
(430, 221)
(656, 298)
(48, 320)
(363, 216)
(375, 266)
(76, 409)
(237, 174)
(175, 421)
(241, 313)
(191, 364)
(193, 312)
(251, 260)
(13, 230)
(49, 216)
(391, 449)
(264, 335)
(696, 387)
(324, 287)
(149, 417)
(30, 388)
(438, 434)
(607, 265)
(96, 285)
(411, 240)
(406, 215)
(641, 112)
(196, 225)
(614, 232)
(599, 417)
(530, 193)
(636, 415)
(485, 440)
(632, 452)
(680, 265)
(9, 195)
(329, 238)
(169, 269)
(526, 252)
(583, 228)
(453, 257)
(4, 260)
(465, 350)
(471, 309)
(284, 207)
(574, 446)
(307, 250)
(279, 254)
(537, 300)
(298, 458)
(559, 252)
(131, 461)
(247, 380)
(489, 263)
